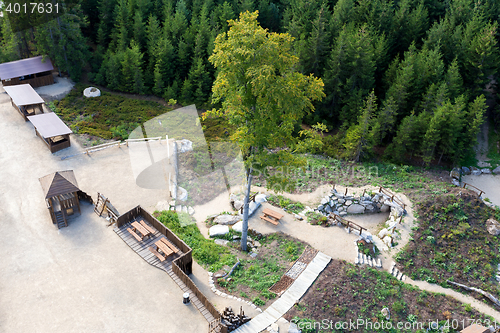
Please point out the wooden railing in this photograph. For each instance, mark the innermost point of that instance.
(182, 266)
(347, 223)
(392, 196)
(477, 189)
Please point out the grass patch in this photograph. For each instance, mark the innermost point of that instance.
(451, 243)
(316, 218)
(205, 251)
(346, 292)
(285, 203)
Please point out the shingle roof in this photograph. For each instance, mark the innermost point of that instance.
(61, 182)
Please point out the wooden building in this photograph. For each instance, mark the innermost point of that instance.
(25, 99)
(52, 130)
(61, 195)
(34, 71)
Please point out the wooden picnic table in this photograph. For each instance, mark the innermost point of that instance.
(138, 227)
(146, 226)
(271, 216)
(160, 245)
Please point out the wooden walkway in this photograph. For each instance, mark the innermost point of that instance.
(289, 297)
(141, 248)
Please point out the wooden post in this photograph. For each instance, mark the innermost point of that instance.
(401, 219)
(168, 148)
(345, 192)
(364, 191)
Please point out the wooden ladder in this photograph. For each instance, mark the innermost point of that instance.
(60, 219)
(100, 205)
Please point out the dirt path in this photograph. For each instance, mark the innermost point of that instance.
(335, 241)
(490, 184)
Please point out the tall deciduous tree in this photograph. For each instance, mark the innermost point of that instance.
(262, 95)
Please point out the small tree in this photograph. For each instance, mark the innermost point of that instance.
(262, 95)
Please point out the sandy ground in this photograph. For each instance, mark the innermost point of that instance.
(488, 183)
(82, 278)
(58, 90)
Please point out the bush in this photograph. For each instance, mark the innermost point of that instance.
(257, 301)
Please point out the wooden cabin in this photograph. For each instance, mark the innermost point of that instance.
(34, 71)
(52, 130)
(25, 100)
(61, 195)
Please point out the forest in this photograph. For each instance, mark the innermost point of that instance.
(408, 81)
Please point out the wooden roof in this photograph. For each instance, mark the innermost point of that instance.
(61, 182)
(49, 125)
(23, 94)
(9, 70)
(475, 328)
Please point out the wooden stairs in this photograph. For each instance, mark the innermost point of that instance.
(60, 220)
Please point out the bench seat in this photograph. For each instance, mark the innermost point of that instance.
(269, 219)
(136, 236)
(157, 254)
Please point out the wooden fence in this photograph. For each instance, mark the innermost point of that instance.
(182, 266)
(392, 196)
(347, 223)
(479, 190)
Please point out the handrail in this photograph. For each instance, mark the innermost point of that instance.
(393, 196)
(480, 191)
(347, 223)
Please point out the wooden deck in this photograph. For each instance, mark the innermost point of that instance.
(141, 248)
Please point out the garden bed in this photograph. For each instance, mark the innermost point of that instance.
(450, 242)
(346, 292)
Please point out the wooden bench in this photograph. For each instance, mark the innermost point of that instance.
(170, 245)
(136, 236)
(157, 254)
(271, 216)
(151, 230)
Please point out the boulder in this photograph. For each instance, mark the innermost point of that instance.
(222, 242)
(328, 209)
(226, 219)
(455, 182)
(382, 233)
(385, 208)
(182, 194)
(341, 201)
(465, 171)
(455, 173)
(356, 209)
(184, 145)
(496, 171)
(493, 227)
(475, 171)
(324, 201)
(190, 210)
(260, 198)
(486, 171)
(348, 203)
(218, 230)
(483, 164)
(237, 204)
(238, 226)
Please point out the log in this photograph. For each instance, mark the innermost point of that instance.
(482, 292)
(231, 272)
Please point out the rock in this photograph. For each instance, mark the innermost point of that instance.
(382, 233)
(190, 210)
(182, 194)
(324, 201)
(465, 171)
(342, 213)
(356, 209)
(162, 205)
(226, 219)
(348, 203)
(221, 242)
(91, 92)
(256, 244)
(178, 208)
(455, 182)
(321, 207)
(341, 201)
(253, 254)
(293, 328)
(493, 227)
(275, 327)
(298, 217)
(455, 173)
(486, 171)
(237, 204)
(496, 171)
(386, 313)
(184, 209)
(252, 207)
(218, 230)
(260, 198)
(385, 208)
(475, 171)
(184, 145)
(238, 226)
(387, 240)
(328, 209)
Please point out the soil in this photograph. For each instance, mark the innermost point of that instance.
(346, 292)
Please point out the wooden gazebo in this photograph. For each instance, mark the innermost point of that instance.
(35, 71)
(52, 130)
(61, 195)
(25, 99)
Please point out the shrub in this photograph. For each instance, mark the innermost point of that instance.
(257, 301)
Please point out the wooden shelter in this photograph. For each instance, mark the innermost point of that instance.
(61, 195)
(34, 71)
(25, 99)
(52, 130)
